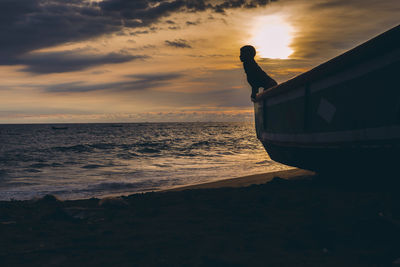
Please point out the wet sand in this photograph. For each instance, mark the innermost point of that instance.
(305, 220)
(249, 180)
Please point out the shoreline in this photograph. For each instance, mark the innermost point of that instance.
(241, 181)
(244, 181)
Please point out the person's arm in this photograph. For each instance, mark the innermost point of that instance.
(254, 91)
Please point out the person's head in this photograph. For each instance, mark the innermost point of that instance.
(247, 53)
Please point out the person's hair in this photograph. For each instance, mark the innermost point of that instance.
(249, 50)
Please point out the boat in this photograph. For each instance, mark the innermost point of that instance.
(344, 113)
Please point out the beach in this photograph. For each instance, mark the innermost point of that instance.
(289, 218)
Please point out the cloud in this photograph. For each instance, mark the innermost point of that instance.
(235, 4)
(174, 28)
(28, 25)
(66, 61)
(178, 43)
(139, 32)
(189, 23)
(135, 82)
(339, 28)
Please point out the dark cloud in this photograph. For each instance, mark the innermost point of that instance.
(234, 4)
(135, 82)
(28, 25)
(189, 23)
(139, 32)
(66, 61)
(141, 48)
(178, 43)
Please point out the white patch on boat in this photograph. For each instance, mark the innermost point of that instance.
(326, 110)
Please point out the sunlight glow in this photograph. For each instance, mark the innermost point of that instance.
(272, 37)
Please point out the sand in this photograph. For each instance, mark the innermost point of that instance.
(312, 220)
(248, 180)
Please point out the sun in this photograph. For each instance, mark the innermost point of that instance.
(272, 37)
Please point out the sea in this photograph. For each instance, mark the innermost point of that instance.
(74, 161)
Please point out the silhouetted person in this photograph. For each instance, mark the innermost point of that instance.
(255, 75)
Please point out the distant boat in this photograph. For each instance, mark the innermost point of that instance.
(343, 113)
(59, 127)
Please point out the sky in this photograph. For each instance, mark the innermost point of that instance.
(165, 60)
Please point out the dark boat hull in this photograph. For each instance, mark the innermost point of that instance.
(345, 112)
(320, 159)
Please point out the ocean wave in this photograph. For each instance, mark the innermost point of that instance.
(120, 186)
(128, 155)
(71, 163)
(148, 144)
(56, 164)
(206, 144)
(33, 170)
(200, 144)
(263, 162)
(148, 150)
(39, 165)
(162, 165)
(19, 157)
(75, 148)
(187, 154)
(93, 166)
(103, 145)
(226, 153)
